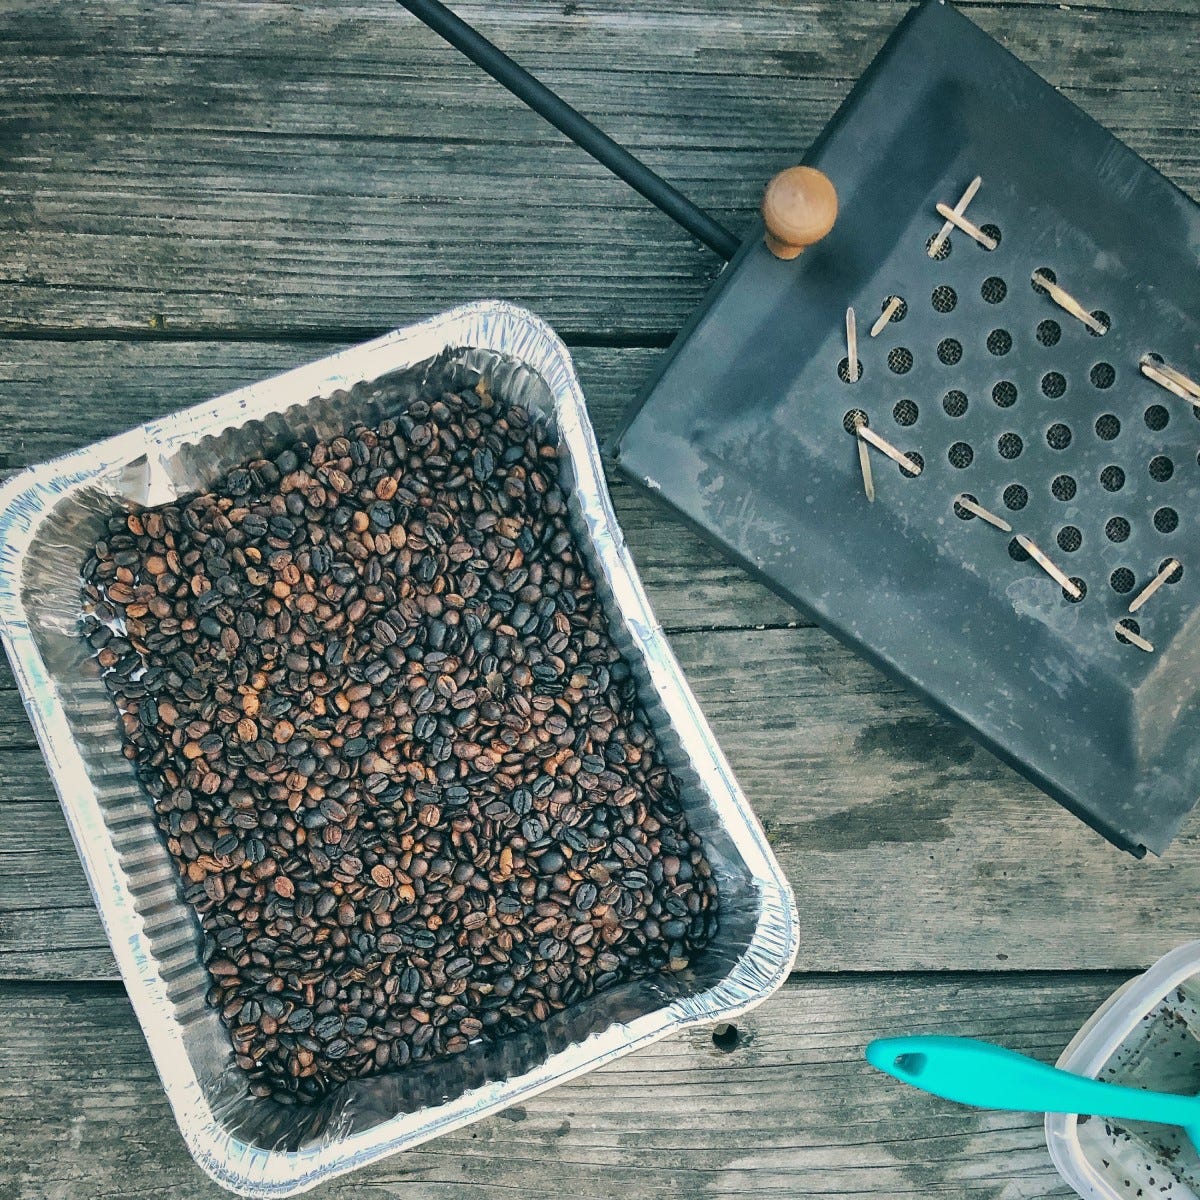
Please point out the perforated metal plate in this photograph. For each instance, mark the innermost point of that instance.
(1000, 393)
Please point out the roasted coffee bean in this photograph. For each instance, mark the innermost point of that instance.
(370, 691)
(550, 862)
(328, 1027)
(576, 839)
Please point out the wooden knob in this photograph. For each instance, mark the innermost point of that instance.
(799, 208)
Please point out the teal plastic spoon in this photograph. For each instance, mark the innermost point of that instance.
(988, 1076)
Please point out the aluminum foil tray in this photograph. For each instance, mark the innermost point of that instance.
(51, 514)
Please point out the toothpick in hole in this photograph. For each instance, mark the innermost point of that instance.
(982, 513)
(1042, 561)
(853, 370)
(1167, 570)
(1135, 639)
(884, 317)
(1066, 301)
(901, 459)
(959, 209)
(1174, 381)
(968, 227)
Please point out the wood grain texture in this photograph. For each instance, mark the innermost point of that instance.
(792, 1111)
(241, 186)
(243, 165)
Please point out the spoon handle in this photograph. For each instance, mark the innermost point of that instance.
(987, 1076)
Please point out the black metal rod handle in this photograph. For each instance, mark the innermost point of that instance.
(575, 125)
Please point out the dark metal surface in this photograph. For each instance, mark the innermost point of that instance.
(743, 429)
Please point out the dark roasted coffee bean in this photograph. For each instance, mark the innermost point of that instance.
(370, 691)
(550, 862)
(328, 1027)
(483, 464)
(382, 515)
(576, 839)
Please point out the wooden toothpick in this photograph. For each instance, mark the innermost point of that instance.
(852, 368)
(1067, 302)
(959, 209)
(1042, 561)
(884, 317)
(1168, 569)
(864, 461)
(983, 514)
(968, 227)
(1136, 638)
(1189, 385)
(898, 457)
(1174, 381)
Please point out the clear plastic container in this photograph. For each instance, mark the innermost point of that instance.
(1146, 1034)
(49, 517)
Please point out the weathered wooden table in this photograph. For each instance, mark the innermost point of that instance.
(197, 196)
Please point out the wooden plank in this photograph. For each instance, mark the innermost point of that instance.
(908, 845)
(332, 167)
(792, 1110)
(56, 940)
(56, 396)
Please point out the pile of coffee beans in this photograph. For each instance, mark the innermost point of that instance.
(401, 765)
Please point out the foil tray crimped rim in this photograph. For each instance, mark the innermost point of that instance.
(507, 330)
